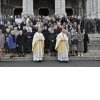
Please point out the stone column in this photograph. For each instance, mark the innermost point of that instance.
(85, 2)
(0, 8)
(93, 8)
(88, 8)
(27, 7)
(98, 9)
(60, 7)
(80, 6)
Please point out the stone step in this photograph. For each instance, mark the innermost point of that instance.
(90, 54)
(94, 35)
(29, 58)
(93, 47)
(94, 43)
(93, 53)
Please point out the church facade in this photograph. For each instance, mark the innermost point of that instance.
(84, 8)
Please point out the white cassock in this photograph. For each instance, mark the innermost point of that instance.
(38, 46)
(62, 47)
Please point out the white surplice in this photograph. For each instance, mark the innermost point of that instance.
(38, 46)
(62, 47)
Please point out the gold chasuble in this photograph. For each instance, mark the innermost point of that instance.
(38, 46)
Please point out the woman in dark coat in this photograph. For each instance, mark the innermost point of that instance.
(25, 37)
(46, 36)
(52, 41)
(12, 44)
(29, 40)
(86, 41)
(20, 41)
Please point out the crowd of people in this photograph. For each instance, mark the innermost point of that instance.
(91, 25)
(18, 35)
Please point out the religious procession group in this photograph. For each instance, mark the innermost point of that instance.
(58, 36)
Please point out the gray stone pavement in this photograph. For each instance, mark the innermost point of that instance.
(28, 57)
(51, 64)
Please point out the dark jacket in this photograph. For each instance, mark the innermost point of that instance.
(46, 36)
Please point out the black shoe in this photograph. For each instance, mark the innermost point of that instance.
(55, 55)
(19, 55)
(11, 57)
(23, 55)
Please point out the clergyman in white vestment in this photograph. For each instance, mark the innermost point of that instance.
(38, 46)
(62, 46)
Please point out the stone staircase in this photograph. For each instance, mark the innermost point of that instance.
(94, 42)
(28, 57)
(94, 45)
(93, 53)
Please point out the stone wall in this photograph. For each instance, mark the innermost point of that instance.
(49, 4)
(93, 8)
(58, 6)
(7, 7)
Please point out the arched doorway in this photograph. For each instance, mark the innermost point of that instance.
(69, 11)
(17, 11)
(44, 11)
